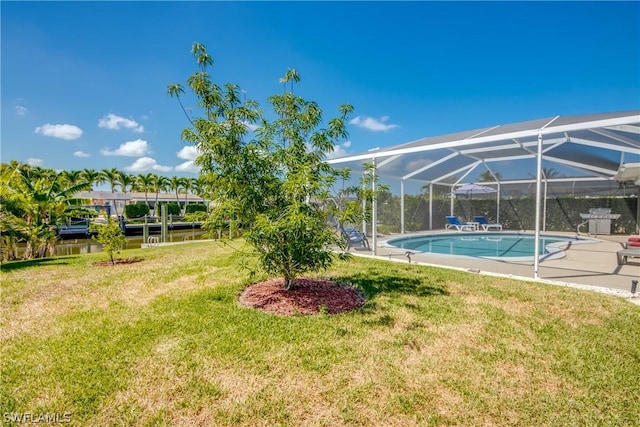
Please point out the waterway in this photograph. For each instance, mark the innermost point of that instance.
(85, 246)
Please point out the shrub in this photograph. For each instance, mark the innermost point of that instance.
(110, 237)
(195, 208)
(196, 217)
(172, 208)
(136, 210)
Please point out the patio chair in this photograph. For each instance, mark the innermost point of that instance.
(632, 242)
(631, 250)
(454, 222)
(355, 238)
(485, 224)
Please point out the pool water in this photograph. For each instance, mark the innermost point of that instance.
(486, 245)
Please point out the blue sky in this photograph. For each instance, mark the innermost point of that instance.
(84, 83)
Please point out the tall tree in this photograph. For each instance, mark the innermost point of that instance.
(488, 176)
(92, 176)
(158, 184)
(144, 183)
(198, 186)
(277, 184)
(126, 181)
(290, 76)
(548, 173)
(175, 184)
(72, 177)
(187, 186)
(112, 177)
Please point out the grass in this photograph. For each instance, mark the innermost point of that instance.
(164, 342)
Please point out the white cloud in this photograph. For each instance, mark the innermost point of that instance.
(144, 164)
(339, 150)
(188, 152)
(111, 121)
(60, 131)
(372, 124)
(137, 148)
(81, 154)
(32, 161)
(188, 166)
(250, 126)
(20, 110)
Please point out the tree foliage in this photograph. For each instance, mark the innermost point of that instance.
(34, 202)
(195, 207)
(111, 238)
(273, 183)
(136, 210)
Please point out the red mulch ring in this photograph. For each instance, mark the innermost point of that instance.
(117, 261)
(308, 296)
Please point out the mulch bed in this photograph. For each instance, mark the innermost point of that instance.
(117, 261)
(308, 296)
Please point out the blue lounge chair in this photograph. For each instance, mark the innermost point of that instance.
(355, 238)
(486, 225)
(454, 222)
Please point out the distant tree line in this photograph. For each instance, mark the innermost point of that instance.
(35, 201)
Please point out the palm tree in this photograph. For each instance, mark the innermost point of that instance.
(127, 181)
(290, 76)
(158, 184)
(187, 185)
(92, 176)
(144, 183)
(175, 184)
(112, 176)
(548, 173)
(199, 188)
(72, 177)
(42, 205)
(36, 172)
(487, 176)
(13, 228)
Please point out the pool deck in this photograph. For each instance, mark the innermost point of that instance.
(590, 266)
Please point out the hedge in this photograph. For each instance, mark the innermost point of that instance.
(172, 208)
(196, 207)
(136, 210)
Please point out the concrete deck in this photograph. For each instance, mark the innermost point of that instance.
(591, 266)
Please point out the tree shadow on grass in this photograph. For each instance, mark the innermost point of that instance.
(374, 284)
(18, 265)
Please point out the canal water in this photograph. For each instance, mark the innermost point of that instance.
(85, 246)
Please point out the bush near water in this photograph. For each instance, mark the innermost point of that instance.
(136, 210)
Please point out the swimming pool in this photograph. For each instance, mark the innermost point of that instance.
(502, 245)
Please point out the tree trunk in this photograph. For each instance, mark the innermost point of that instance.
(288, 282)
(28, 252)
(146, 200)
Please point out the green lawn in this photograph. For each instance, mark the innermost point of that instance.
(164, 342)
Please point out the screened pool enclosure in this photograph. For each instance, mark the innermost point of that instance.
(537, 165)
